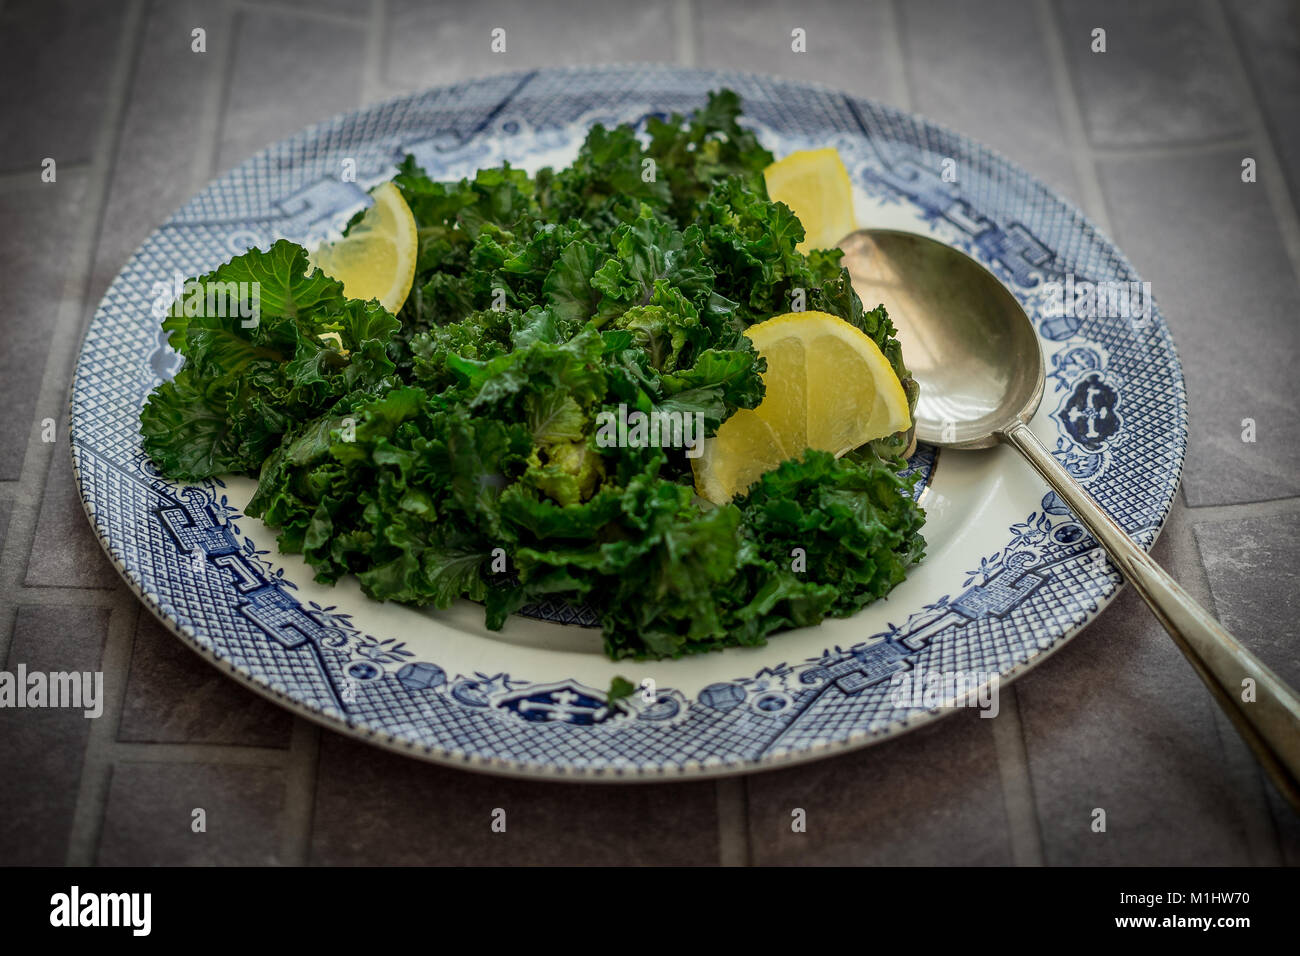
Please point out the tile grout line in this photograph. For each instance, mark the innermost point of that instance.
(302, 13)
(1171, 150)
(1242, 510)
(733, 820)
(684, 32)
(217, 102)
(210, 122)
(1067, 101)
(37, 595)
(189, 752)
(8, 621)
(97, 763)
(896, 65)
(372, 86)
(1279, 196)
(300, 793)
(52, 393)
(13, 492)
(21, 179)
(1024, 828)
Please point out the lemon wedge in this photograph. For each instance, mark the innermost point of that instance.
(376, 260)
(828, 387)
(815, 185)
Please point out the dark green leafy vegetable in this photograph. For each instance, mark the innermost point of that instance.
(620, 688)
(455, 450)
(249, 376)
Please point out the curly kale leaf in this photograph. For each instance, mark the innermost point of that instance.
(266, 345)
(454, 451)
(710, 146)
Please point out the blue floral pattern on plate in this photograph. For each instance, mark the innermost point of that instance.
(1115, 390)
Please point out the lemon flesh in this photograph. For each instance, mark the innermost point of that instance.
(376, 260)
(815, 185)
(828, 387)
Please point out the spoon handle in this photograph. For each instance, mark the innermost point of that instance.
(1270, 723)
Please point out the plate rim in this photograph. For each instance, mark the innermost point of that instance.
(636, 772)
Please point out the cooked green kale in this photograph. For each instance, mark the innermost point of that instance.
(450, 451)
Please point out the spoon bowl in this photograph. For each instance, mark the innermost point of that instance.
(974, 352)
(966, 339)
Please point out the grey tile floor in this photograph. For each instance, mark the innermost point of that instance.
(1148, 137)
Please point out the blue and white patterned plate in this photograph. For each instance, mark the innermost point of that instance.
(1009, 577)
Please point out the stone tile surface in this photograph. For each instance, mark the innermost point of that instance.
(6, 510)
(65, 551)
(175, 696)
(41, 750)
(1268, 33)
(947, 44)
(164, 148)
(1254, 569)
(40, 226)
(426, 44)
(150, 818)
(932, 797)
(845, 51)
(376, 807)
(287, 73)
(353, 9)
(56, 57)
(1210, 246)
(1117, 720)
(1166, 76)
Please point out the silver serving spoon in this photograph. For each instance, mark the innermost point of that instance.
(974, 352)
